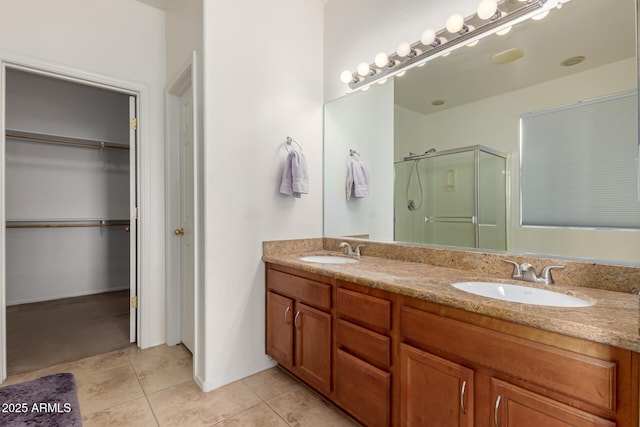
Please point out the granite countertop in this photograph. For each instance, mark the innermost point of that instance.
(613, 320)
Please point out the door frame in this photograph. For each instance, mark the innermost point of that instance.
(8, 61)
(187, 76)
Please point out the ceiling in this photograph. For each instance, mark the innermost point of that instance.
(602, 31)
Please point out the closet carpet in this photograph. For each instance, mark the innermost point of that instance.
(47, 333)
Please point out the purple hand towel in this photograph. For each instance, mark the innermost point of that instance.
(295, 178)
(357, 179)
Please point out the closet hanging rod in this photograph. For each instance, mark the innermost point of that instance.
(65, 224)
(54, 139)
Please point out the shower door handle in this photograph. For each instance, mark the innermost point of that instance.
(179, 231)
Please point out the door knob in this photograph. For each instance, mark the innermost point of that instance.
(179, 231)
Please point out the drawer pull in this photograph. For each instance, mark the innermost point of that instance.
(295, 321)
(287, 317)
(463, 391)
(495, 411)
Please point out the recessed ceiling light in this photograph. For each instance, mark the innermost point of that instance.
(438, 102)
(574, 60)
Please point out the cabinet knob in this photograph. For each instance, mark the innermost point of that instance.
(179, 231)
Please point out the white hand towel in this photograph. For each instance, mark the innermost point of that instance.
(295, 179)
(357, 179)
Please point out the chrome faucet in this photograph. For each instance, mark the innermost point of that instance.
(527, 272)
(348, 250)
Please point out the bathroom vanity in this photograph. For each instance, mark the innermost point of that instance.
(393, 343)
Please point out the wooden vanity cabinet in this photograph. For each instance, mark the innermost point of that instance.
(393, 360)
(299, 325)
(516, 381)
(363, 354)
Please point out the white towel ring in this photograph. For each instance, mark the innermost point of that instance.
(289, 144)
(353, 153)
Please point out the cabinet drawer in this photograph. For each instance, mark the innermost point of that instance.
(312, 293)
(363, 390)
(364, 310)
(585, 378)
(366, 344)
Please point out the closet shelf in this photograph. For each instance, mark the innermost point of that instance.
(67, 223)
(55, 139)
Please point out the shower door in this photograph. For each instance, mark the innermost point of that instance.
(451, 200)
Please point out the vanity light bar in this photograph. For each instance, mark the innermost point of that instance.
(474, 28)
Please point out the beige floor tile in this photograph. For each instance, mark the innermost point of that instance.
(104, 389)
(258, 416)
(162, 366)
(89, 365)
(270, 383)
(186, 405)
(20, 378)
(135, 413)
(301, 408)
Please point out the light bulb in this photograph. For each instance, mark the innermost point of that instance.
(404, 49)
(363, 69)
(346, 76)
(540, 15)
(428, 37)
(455, 23)
(382, 60)
(365, 88)
(487, 9)
(383, 81)
(401, 73)
(503, 32)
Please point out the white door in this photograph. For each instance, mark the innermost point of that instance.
(133, 220)
(185, 231)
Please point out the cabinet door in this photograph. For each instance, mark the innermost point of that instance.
(280, 329)
(434, 391)
(313, 346)
(514, 406)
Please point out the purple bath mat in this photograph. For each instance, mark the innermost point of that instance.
(49, 401)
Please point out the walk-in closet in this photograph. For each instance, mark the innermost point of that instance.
(69, 183)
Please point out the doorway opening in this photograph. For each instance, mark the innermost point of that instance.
(181, 245)
(71, 235)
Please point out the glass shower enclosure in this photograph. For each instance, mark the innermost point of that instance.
(455, 197)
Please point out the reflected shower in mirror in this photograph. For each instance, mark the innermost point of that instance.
(476, 96)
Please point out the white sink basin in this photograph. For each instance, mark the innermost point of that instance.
(328, 259)
(521, 294)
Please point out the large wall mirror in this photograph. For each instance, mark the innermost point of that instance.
(444, 150)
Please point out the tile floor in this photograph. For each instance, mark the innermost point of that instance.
(154, 387)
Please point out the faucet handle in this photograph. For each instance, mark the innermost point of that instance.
(348, 250)
(357, 250)
(517, 271)
(545, 274)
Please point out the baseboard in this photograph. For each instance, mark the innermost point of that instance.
(207, 386)
(69, 295)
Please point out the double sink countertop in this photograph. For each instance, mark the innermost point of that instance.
(614, 319)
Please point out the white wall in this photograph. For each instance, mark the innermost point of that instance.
(358, 29)
(263, 82)
(343, 131)
(118, 41)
